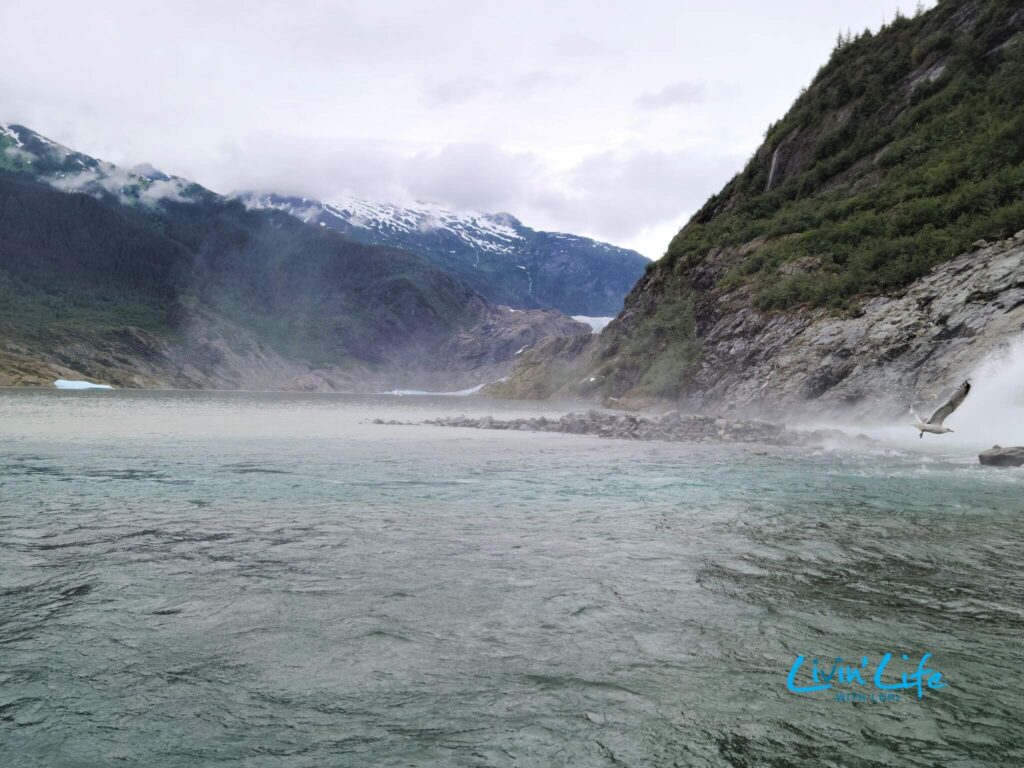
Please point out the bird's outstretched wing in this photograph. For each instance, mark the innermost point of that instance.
(951, 405)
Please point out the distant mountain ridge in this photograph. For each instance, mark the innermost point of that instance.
(495, 254)
(138, 278)
(22, 149)
(498, 256)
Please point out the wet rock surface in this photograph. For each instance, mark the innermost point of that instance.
(997, 456)
(672, 426)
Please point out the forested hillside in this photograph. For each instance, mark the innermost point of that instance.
(906, 148)
(905, 152)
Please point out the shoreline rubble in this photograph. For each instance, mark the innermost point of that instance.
(671, 426)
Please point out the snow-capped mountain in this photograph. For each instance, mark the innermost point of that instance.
(504, 260)
(22, 149)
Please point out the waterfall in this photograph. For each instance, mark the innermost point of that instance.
(992, 414)
(994, 411)
(771, 171)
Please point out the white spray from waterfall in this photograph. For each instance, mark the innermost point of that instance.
(992, 414)
(994, 411)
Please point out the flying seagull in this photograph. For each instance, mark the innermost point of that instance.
(934, 424)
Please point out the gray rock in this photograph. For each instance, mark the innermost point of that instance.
(997, 456)
(887, 352)
(671, 427)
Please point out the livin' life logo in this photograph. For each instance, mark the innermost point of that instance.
(881, 688)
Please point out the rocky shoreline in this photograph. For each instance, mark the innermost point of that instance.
(672, 426)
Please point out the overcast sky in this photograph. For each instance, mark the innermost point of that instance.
(610, 119)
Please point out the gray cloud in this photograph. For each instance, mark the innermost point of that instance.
(320, 169)
(580, 46)
(466, 89)
(530, 107)
(479, 176)
(685, 92)
(614, 194)
(457, 91)
(661, 185)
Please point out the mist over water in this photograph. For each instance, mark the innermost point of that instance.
(242, 579)
(992, 414)
(994, 410)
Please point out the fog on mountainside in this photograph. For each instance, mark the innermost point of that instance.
(145, 280)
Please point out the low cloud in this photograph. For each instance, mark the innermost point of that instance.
(674, 95)
(623, 192)
(476, 176)
(458, 91)
(463, 90)
(163, 190)
(323, 170)
(616, 195)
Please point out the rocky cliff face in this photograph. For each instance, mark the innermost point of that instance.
(871, 360)
(884, 352)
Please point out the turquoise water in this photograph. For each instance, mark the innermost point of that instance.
(260, 580)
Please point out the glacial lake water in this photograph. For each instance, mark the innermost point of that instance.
(195, 579)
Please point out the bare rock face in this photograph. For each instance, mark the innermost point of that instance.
(556, 365)
(997, 456)
(891, 350)
(504, 334)
(487, 351)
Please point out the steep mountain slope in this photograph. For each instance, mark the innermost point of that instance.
(143, 279)
(794, 283)
(495, 254)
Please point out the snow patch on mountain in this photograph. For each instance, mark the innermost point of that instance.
(479, 230)
(495, 233)
(494, 253)
(11, 133)
(596, 324)
(70, 171)
(127, 186)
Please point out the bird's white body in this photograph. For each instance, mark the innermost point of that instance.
(935, 429)
(934, 424)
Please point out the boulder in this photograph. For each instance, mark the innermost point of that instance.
(997, 456)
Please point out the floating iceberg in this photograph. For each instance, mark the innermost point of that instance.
(65, 384)
(459, 393)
